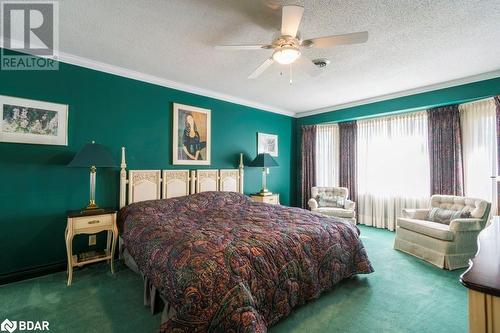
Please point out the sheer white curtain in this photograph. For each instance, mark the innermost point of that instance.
(479, 143)
(393, 167)
(327, 155)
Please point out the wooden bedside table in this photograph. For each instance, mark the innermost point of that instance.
(273, 199)
(79, 223)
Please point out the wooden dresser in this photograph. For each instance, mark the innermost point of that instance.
(482, 278)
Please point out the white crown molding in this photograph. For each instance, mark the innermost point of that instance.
(128, 73)
(409, 92)
(136, 75)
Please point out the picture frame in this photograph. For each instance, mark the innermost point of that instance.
(191, 143)
(30, 121)
(267, 143)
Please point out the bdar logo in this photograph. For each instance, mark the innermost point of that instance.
(8, 325)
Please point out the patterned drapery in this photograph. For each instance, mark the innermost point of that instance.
(308, 165)
(445, 150)
(348, 153)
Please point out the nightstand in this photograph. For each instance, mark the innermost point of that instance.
(273, 199)
(90, 223)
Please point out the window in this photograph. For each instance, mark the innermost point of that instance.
(479, 140)
(327, 155)
(393, 167)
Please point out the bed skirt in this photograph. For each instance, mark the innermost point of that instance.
(152, 297)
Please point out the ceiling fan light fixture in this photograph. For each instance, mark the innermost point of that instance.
(286, 55)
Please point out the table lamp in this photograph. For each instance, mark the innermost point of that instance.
(92, 156)
(264, 161)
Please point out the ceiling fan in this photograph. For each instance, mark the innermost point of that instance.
(287, 46)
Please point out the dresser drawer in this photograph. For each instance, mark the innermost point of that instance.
(272, 199)
(86, 222)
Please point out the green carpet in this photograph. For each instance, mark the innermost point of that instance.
(404, 294)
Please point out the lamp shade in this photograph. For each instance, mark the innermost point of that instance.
(264, 160)
(93, 154)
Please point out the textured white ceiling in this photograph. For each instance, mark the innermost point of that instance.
(412, 43)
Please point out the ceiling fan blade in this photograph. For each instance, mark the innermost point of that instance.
(353, 38)
(290, 20)
(244, 47)
(306, 65)
(265, 65)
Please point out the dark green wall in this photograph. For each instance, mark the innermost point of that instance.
(37, 188)
(453, 95)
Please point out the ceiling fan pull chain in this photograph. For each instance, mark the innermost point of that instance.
(291, 77)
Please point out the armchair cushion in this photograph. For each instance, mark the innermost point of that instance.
(445, 216)
(338, 212)
(431, 229)
(334, 201)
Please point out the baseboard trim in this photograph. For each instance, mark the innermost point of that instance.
(32, 272)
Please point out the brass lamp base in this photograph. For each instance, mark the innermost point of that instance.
(92, 208)
(264, 192)
(92, 205)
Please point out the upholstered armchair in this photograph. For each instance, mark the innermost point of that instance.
(445, 234)
(325, 200)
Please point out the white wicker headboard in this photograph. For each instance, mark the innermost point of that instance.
(143, 185)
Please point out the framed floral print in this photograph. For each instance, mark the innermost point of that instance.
(191, 135)
(29, 121)
(267, 143)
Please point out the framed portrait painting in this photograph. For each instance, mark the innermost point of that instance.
(267, 143)
(36, 122)
(191, 135)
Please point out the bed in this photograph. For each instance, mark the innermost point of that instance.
(222, 262)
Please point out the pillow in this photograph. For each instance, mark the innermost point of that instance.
(445, 216)
(334, 201)
(466, 215)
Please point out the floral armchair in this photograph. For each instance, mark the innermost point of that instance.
(333, 201)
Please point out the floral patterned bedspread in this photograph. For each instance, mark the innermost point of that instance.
(228, 264)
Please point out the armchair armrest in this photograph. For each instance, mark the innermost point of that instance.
(313, 204)
(466, 225)
(417, 214)
(349, 205)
